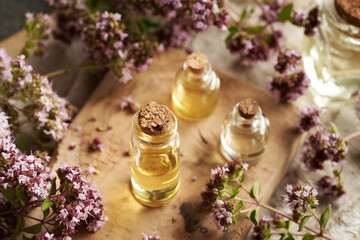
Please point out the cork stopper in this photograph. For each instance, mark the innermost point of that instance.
(248, 108)
(154, 119)
(197, 62)
(349, 10)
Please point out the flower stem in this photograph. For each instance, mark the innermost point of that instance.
(353, 135)
(315, 216)
(270, 23)
(320, 234)
(65, 70)
(294, 234)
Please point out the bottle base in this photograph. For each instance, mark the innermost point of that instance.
(154, 198)
(230, 155)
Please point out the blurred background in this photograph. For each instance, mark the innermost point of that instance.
(12, 14)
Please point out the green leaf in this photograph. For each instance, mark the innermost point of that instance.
(289, 237)
(233, 218)
(285, 13)
(240, 204)
(282, 237)
(333, 127)
(254, 216)
(288, 224)
(25, 53)
(141, 26)
(151, 24)
(20, 195)
(281, 224)
(19, 225)
(302, 222)
(8, 194)
(2, 91)
(308, 236)
(22, 142)
(254, 30)
(242, 178)
(29, 44)
(53, 187)
(325, 217)
(234, 192)
(255, 190)
(34, 229)
(46, 204)
(233, 30)
(243, 16)
(336, 173)
(25, 238)
(46, 212)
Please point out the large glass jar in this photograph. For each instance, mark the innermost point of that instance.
(154, 163)
(244, 132)
(332, 57)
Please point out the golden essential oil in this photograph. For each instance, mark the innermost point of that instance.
(196, 89)
(245, 132)
(154, 152)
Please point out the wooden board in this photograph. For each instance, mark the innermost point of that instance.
(14, 43)
(180, 219)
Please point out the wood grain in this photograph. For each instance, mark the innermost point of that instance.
(180, 219)
(14, 43)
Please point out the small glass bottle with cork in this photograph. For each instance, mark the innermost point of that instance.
(332, 57)
(196, 89)
(154, 153)
(244, 133)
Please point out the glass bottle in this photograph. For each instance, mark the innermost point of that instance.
(332, 57)
(196, 89)
(244, 133)
(155, 161)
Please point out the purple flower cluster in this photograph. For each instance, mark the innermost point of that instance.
(252, 48)
(289, 60)
(48, 236)
(309, 117)
(184, 17)
(69, 16)
(103, 37)
(97, 145)
(29, 97)
(78, 202)
(223, 213)
(293, 82)
(39, 29)
(27, 173)
(300, 198)
(127, 104)
(272, 9)
(262, 231)
(4, 125)
(106, 43)
(219, 178)
(309, 21)
(180, 18)
(151, 237)
(319, 148)
(289, 87)
(332, 186)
